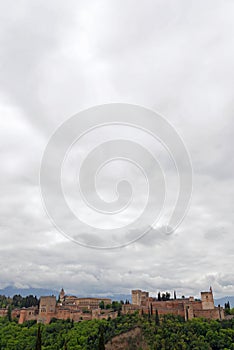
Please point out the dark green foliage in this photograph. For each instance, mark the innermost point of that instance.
(9, 309)
(116, 306)
(4, 301)
(28, 301)
(170, 333)
(38, 341)
(102, 305)
(18, 301)
(166, 296)
(157, 321)
(149, 315)
(151, 309)
(227, 305)
(101, 342)
(227, 309)
(174, 333)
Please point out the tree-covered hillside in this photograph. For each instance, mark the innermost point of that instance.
(167, 333)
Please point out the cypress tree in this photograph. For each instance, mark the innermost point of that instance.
(101, 344)
(157, 321)
(149, 317)
(9, 313)
(38, 341)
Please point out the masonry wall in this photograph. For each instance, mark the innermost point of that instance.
(29, 314)
(214, 314)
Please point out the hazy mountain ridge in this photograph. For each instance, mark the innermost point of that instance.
(223, 300)
(11, 291)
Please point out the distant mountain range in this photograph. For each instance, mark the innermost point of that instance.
(118, 297)
(11, 291)
(222, 301)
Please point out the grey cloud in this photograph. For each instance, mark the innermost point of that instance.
(175, 57)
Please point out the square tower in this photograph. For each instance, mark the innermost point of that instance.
(207, 300)
(47, 305)
(138, 296)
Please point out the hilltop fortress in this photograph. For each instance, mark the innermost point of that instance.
(79, 309)
(185, 307)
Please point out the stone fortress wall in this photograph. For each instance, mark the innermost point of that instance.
(78, 309)
(185, 307)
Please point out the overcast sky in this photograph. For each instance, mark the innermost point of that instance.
(175, 57)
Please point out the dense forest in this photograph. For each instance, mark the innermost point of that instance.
(18, 301)
(169, 332)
